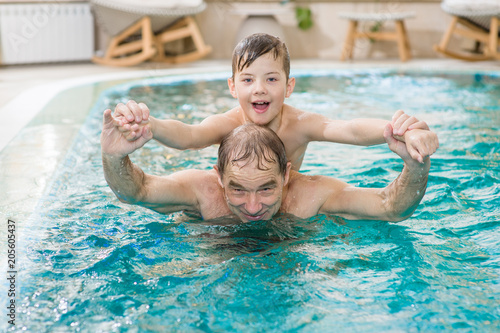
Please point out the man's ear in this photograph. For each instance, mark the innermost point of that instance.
(290, 86)
(232, 87)
(287, 173)
(219, 178)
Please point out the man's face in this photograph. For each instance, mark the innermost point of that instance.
(253, 194)
(261, 89)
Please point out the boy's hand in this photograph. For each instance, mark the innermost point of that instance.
(132, 112)
(114, 143)
(132, 119)
(401, 122)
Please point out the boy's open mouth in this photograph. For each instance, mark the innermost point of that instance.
(260, 106)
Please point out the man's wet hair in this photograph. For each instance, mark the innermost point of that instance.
(251, 142)
(257, 45)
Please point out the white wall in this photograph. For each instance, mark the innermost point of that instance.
(220, 22)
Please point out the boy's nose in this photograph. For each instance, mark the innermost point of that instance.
(259, 88)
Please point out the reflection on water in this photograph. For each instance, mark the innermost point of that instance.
(94, 264)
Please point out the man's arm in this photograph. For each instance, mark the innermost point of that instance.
(395, 202)
(131, 185)
(133, 119)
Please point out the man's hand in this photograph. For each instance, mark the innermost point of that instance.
(132, 119)
(113, 141)
(420, 141)
(419, 144)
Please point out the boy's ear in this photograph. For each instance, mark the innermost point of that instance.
(289, 86)
(232, 88)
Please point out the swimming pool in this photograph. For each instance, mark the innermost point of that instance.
(90, 263)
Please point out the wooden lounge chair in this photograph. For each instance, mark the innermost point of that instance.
(140, 30)
(477, 20)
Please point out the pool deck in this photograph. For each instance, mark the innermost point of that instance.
(26, 89)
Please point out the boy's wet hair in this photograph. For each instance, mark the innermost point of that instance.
(252, 142)
(255, 46)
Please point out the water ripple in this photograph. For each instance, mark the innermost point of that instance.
(94, 264)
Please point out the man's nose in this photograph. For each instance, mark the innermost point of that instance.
(253, 205)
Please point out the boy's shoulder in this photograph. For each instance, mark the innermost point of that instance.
(301, 125)
(231, 117)
(233, 112)
(294, 115)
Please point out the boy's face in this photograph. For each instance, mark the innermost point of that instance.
(261, 89)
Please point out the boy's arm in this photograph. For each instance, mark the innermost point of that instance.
(176, 134)
(133, 119)
(366, 132)
(362, 131)
(395, 202)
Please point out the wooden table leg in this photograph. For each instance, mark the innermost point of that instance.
(493, 39)
(407, 40)
(403, 43)
(349, 42)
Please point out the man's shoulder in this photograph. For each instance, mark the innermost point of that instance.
(305, 195)
(301, 179)
(202, 182)
(195, 178)
(197, 174)
(312, 184)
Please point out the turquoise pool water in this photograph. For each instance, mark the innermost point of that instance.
(92, 264)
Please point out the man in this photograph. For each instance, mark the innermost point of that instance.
(253, 181)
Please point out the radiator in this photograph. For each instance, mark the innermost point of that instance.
(45, 32)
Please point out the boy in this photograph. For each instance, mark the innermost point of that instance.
(261, 82)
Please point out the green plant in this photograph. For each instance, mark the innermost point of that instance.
(304, 17)
(376, 27)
